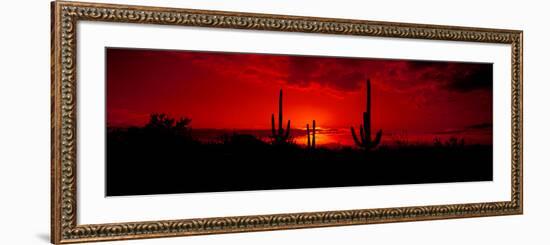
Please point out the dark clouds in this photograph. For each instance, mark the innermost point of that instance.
(335, 73)
(348, 74)
(477, 77)
(455, 76)
(340, 75)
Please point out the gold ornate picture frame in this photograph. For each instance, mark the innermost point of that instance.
(64, 187)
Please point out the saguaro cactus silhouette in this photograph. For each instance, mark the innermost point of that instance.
(365, 142)
(279, 135)
(310, 142)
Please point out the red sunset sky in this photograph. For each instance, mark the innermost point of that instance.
(240, 91)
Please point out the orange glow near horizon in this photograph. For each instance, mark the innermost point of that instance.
(219, 90)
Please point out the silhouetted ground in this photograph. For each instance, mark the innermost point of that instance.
(159, 161)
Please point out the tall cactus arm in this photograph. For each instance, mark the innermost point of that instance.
(281, 112)
(377, 138)
(354, 135)
(278, 133)
(366, 141)
(313, 142)
(367, 125)
(308, 136)
(363, 138)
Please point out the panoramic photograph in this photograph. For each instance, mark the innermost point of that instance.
(195, 121)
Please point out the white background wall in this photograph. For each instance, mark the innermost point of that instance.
(25, 137)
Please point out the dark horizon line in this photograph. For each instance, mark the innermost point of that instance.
(397, 131)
